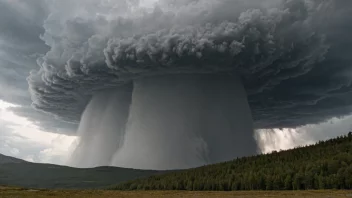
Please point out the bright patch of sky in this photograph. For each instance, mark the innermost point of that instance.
(283, 139)
(22, 139)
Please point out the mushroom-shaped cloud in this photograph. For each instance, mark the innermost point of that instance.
(167, 87)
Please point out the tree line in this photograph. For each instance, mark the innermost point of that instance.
(324, 165)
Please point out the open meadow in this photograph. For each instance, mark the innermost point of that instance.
(7, 192)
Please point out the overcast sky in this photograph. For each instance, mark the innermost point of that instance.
(42, 46)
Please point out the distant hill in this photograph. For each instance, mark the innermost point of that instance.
(325, 165)
(7, 159)
(16, 172)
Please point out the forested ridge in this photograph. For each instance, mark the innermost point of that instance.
(324, 165)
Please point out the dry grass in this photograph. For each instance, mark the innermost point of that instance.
(7, 192)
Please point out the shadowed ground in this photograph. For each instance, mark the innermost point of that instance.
(32, 175)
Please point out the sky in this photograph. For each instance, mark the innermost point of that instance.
(22, 139)
(52, 55)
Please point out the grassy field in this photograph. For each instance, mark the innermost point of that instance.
(6, 192)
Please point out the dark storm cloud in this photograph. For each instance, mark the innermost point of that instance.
(21, 24)
(293, 55)
(322, 93)
(290, 56)
(19, 47)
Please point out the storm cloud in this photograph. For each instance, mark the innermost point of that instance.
(292, 58)
(21, 24)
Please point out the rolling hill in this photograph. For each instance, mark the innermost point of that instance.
(16, 172)
(7, 159)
